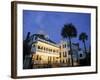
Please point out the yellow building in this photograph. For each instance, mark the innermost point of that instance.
(64, 53)
(45, 51)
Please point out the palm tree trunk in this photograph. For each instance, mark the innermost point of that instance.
(85, 47)
(71, 51)
(85, 51)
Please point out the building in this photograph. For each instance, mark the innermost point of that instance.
(65, 57)
(44, 51)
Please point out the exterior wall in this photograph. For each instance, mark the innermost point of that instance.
(81, 55)
(64, 57)
(45, 53)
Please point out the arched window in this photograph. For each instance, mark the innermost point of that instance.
(44, 48)
(37, 57)
(60, 47)
(33, 45)
(49, 49)
(35, 38)
(41, 48)
(65, 54)
(65, 45)
(53, 50)
(63, 61)
(57, 51)
(38, 47)
(80, 55)
(60, 54)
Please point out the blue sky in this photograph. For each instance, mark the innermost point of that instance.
(51, 23)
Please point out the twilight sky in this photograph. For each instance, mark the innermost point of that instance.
(51, 23)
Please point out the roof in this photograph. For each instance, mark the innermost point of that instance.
(41, 36)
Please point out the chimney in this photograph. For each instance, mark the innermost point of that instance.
(28, 35)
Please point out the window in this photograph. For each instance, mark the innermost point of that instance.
(57, 51)
(50, 58)
(53, 58)
(44, 48)
(40, 58)
(65, 54)
(63, 46)
(35, 37)
(50, 50)
(60, 54)
(37, 57)
(69, 61)
(41, 47)
(33, 45)
(60, 47)
(53, 50)
(63, 61)
(69, 52)
(80, 55)
(38, 47)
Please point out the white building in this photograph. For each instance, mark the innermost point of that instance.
(45, 51)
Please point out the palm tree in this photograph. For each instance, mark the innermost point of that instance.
(69, 31)
(83, 37)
